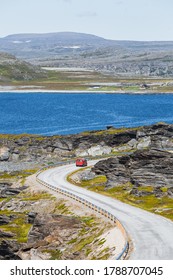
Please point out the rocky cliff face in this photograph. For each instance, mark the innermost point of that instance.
(141, 168)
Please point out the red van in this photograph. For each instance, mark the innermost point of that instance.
(81, 162)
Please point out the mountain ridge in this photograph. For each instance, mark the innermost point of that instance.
(72, 49)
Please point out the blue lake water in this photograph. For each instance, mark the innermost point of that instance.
(51, 114)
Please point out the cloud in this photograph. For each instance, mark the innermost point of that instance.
(87, 14)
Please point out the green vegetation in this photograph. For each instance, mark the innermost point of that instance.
(110, 131)
(20, 136)
(79, 80)
(18, 226)
(91, 184)
(89, 237)
(89, 221)
(36, 196)
(85, 241)
(88, 233)
(104, 254)
(18, 174)
(150, 202)
(62, 209)
(97, 181)
(145, 188)
(55, 254)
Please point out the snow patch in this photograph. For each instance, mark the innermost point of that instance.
(21, 42)
(17, 42)
(72, 47)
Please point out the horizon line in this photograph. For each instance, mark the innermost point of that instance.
(56, 32)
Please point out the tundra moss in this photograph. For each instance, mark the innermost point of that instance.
(55, 254)
(158, 205)
(62, 209)
(37, 196)
(19, 227)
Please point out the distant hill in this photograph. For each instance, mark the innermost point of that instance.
(42, 45)
(12, 68)
(70, 49)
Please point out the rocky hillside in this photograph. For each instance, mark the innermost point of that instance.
(35, 225)
(68, 49)
(144, 150)
(141, 168)
(12, 69)
(138, 170)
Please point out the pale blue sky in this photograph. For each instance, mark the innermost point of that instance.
(111, 19)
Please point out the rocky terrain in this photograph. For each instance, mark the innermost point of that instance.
(68, 49)
(32, 149)
(141, 168)
(12, 68)
(133, 151)
(34, 225)
(138, 162)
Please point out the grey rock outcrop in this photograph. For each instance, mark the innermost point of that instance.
(4, 154)
(4, 220)
(9, 250)
(143, 167)
(93, 151)
(7, 191)
(26, 151)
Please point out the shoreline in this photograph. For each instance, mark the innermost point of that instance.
(42, 89)
(81, 91)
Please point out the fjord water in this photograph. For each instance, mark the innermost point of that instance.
(51, 114)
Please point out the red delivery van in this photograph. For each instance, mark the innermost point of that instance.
(81, 162)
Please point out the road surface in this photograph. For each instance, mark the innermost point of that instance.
(152, 235)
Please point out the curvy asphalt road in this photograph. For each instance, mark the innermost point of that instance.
(152, 235)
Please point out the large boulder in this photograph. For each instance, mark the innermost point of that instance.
(97, 150)
(4, 153)
(144, 142)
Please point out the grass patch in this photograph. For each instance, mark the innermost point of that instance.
(6, 212)
(145, 188)
(81, 80)
(37, 196)
(63, 209)
(72, 241)
(92, 184)
(97, 181)
(83, 242)
(104, 254)
(17, 174)
(55, 254)
(19, 227)
(102, 241)
(89, 221)
(158, 205)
